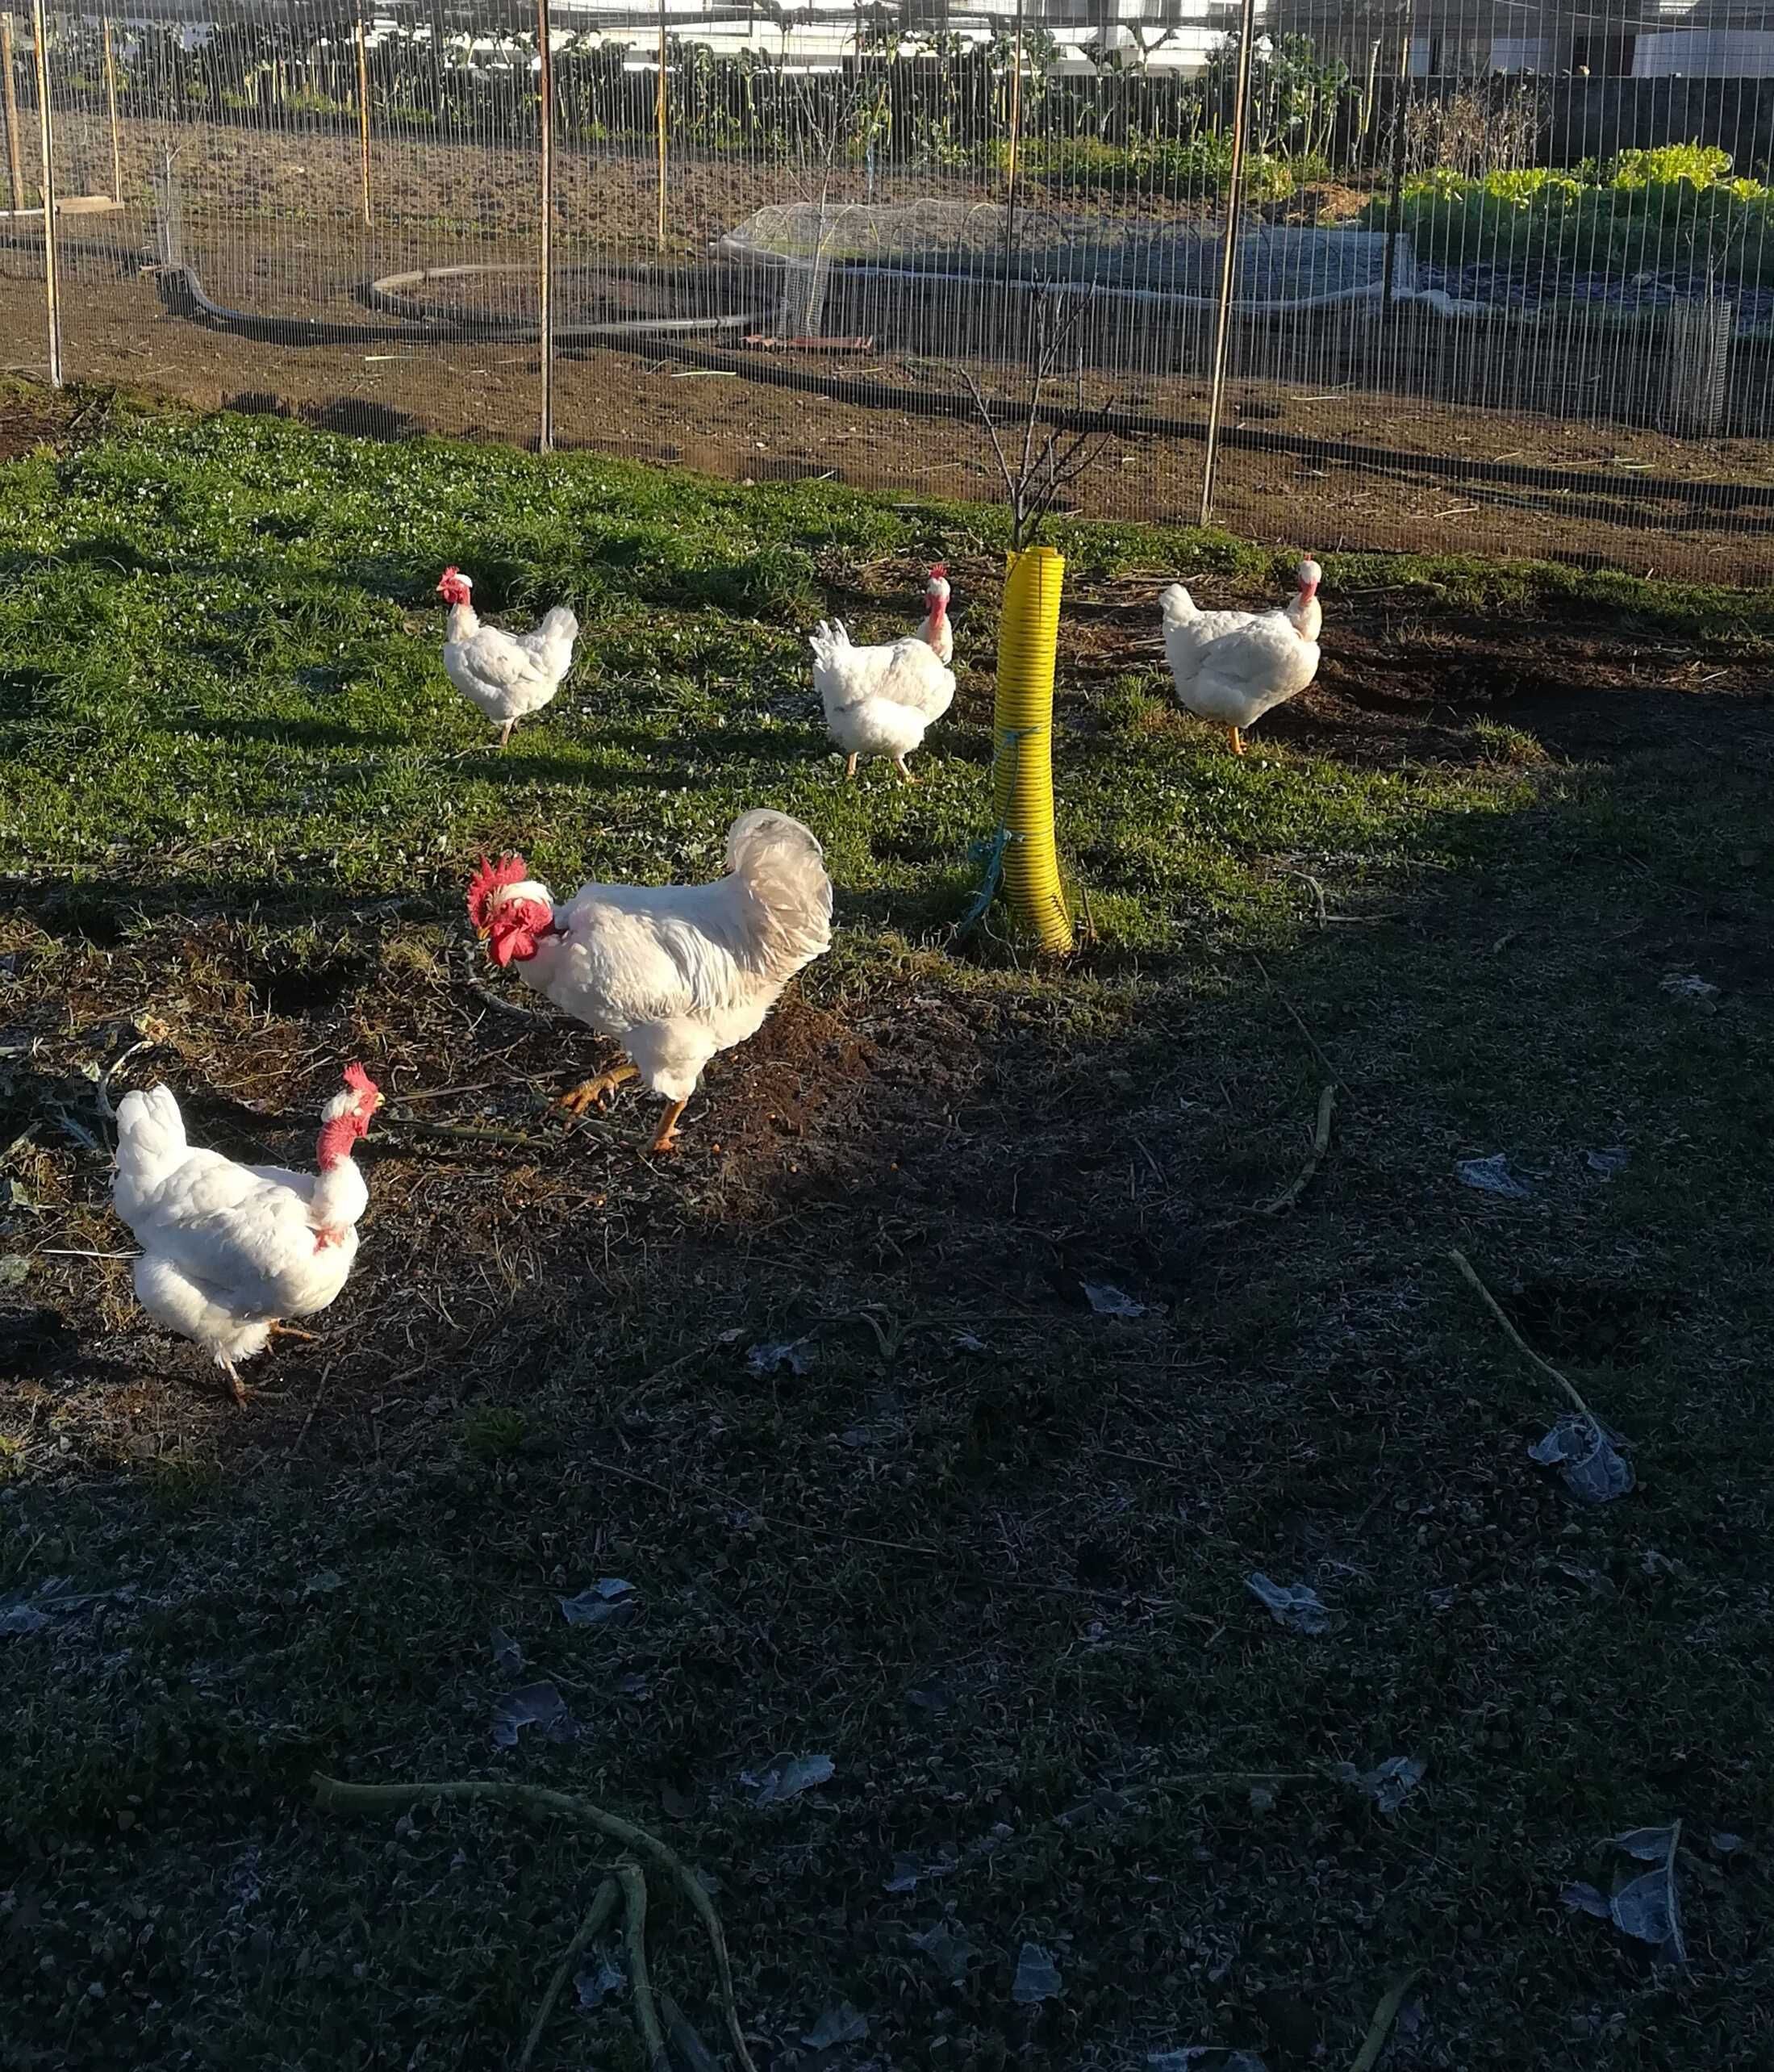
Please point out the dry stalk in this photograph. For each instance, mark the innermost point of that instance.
(336, 1796)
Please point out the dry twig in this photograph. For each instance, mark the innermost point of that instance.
(1384, 2015)
(1513, 1335)
(634, 1928)
(1321, 1143)
(338, 1797)
(609, 1898)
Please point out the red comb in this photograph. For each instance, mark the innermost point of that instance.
(509, 871)
(941, 569)
(359, 1080)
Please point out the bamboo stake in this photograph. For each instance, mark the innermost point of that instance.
(46, 130)
(110, 103)
(363, 118)
(1222, 328)
(1016, 133)
(14, 163)
(545, 85)
(659, 120)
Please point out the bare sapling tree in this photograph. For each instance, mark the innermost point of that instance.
(1047, 448)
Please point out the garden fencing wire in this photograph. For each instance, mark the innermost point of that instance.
(1513, 311)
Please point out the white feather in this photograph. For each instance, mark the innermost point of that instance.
(878, 700)
(675, 973)
(1234, 666)
(508, 675)
(228, 1250)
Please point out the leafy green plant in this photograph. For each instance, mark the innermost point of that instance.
(1675, 209)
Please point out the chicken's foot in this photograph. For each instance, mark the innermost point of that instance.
(592, 1091)
(849, 770)
(906, 776)
(665, 1139)
(290, 1330)
(234, 1387)
(1237, 742)
(505, 733)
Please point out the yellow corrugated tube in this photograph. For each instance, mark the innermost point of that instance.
(1022, 788)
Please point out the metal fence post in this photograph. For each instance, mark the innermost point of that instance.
(1229, 261)
(545, 87)
(46, 130)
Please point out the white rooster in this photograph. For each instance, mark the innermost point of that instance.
(507, 676)
(672, 973)
(229, 1251)
(1232, 666)
(880, 700)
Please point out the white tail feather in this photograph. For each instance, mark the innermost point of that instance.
(559, 624)
(829, 640)
(150, 1142)
(782, 865)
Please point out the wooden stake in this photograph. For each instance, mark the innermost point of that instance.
(110, 103)
(46, 131)
(14, 164)
(545, 85)
(363, 117)
(659, 118)
(1222, 328)
(1016, 133)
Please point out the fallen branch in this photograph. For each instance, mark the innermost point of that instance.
(338, 1797)
(1235, 1780)
(634, 1929)
(1316, 1050)
(1384, 2015)
(684, 2038)
(1321, 1143)
(1515, 1337)
(609, 1898)
(516, 1008)
(465, 1133)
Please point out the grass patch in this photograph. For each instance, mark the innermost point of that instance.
(983, 1545)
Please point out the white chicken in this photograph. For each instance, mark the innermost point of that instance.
(880, 700)
(229, 1251)
(672, 973)
(507, 676)
(1232, 666)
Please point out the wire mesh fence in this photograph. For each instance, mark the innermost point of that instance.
(1437, 275)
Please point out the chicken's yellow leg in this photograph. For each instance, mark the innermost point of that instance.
(505, 733)
(235, 1389)
(290, 1330)
(849, 769)
(1238, 744)
(593, 1090)
(666, 1138)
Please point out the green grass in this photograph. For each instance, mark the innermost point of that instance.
(988, 1549)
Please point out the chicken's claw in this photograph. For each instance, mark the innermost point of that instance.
(592, 1092)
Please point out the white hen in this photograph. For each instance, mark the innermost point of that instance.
(229, 1251)
(880, 700)
(507, 676)
(672, 973)
(1232, 666)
